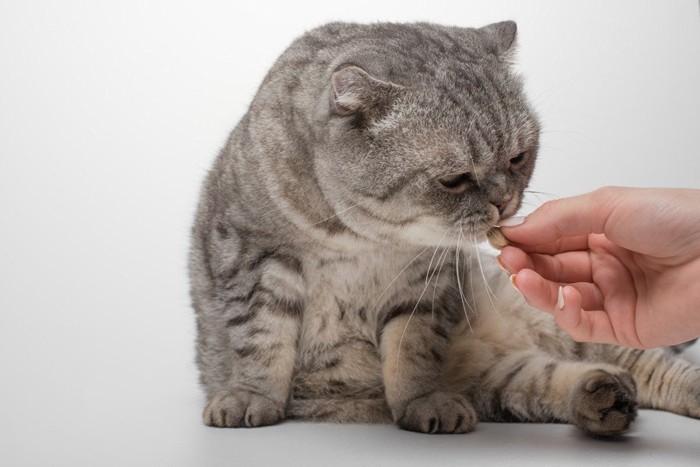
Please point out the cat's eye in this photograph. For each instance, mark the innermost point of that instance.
(518, 160)
(456, 183)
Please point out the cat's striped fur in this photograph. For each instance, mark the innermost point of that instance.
(333, 266)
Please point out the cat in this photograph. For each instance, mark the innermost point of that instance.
(335, 266)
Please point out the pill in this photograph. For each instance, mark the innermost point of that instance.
(496, 238)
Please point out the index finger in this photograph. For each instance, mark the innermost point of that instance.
(564, 224)
(560, 245)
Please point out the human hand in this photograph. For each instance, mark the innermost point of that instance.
(617, 266)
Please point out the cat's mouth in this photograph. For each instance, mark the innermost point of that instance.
(487, 226)
(477, 229)
(477, 225)
(508, 209)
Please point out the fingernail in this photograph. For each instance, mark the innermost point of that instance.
(500, 263)
(560, 298)
(512, 282)
(496, 238)
(503, 265)
(512, 221)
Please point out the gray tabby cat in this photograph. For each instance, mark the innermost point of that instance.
(334, 267)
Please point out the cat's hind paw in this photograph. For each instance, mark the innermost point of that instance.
(604, 404)
(439, 412)
(241, 409)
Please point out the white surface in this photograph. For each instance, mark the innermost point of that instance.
(111, 112)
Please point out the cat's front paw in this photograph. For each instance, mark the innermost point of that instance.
(604, 403)
(439, 412)
(692, 408)
(241, 409)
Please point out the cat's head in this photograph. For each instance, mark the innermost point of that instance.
(420, 155)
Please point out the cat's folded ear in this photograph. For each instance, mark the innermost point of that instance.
(500, 37)
(355, 91)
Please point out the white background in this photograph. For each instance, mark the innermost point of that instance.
(110, 114)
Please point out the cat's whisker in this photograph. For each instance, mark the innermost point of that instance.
(435, 271)
(408, 321)
(471, 281)
(563, 151)
(573, 134)
(267, 203)
(537, 195)
(539, 99)
(433, 257)
(489, 292)
(441, 262)
(283, 209)
(553, 196)
(459, 282)
(471, 158)
(472, 306)
(335, 215)
(376, 303)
